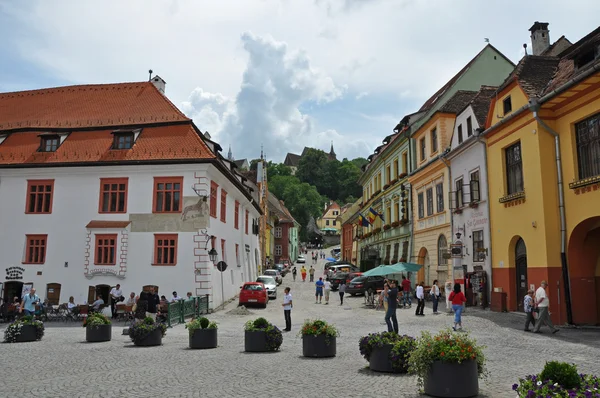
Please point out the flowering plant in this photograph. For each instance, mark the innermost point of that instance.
(386, 227)
(558, 380)
(95, 319)
(199, 323)
(140, 330)
(446, 346)
(14, 329)
(317, 328)
(272, 333)
(402, 346)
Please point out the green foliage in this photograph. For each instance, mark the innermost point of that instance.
(259, 323)
(273, 334)
(562, 373)
(139, 330)
(13, 330)
(537, 386)
(317, 328)
(95, 319)
(200, 323)
(446, 346)
(402, 346)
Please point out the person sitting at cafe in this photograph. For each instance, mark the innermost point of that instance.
(175, 297)
(71, 304)
(130, 300)
(189, 296)
(96, 304)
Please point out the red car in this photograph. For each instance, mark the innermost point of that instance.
(254, 293)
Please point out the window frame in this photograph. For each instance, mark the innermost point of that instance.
(237, 254)
(583, 130)
(423, 148)
(247, 213)
(439, 193)
(278, 232)
(121, 138)
(514, 170)
(54, 141)
(460, 134)
(474, 186)
(477, 244)
(214, 188)
(396, 168)
(155, 191)
(223, 212)
(278, 250)
(434, 140)
(236, 221)
(224, 250)
(97, 247)
(429, 200)
(469, 126)
(110, 182)
(507, 105)
(460, 192)
(157, 238)
(29, 260)
(50, 200)
(421, 204)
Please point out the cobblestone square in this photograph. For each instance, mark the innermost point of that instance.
(63, 365)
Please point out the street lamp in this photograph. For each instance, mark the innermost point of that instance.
(213, 255)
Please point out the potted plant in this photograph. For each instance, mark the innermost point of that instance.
(261, 336)
(458, 211)
(448, 364)
(387, 351)
(203, 333)
(376, 231)
(147, 332)
(24, 330)
(558, 379)
(386, 227)
(395, 224)
(318, 339)
(403, 221)
(474, 205)
(97, 328)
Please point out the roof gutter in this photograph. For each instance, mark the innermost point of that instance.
(595, 68)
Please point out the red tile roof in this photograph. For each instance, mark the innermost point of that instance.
(168, 142)
(85, 106)
(97, 224)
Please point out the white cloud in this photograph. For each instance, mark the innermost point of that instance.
(361, 95)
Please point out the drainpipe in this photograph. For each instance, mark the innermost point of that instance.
(489, 224)
(443, 158)
(535, 106)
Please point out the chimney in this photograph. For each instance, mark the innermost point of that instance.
(540, 37)
(159, 83)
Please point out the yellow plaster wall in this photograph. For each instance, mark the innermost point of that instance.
(429, 240)
(518, 100)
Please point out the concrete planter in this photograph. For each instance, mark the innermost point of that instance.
(96, 334)
(28, 333)
(255, 341)
(457, 380)
(380, 359)
(203, 338)
(319, 346)
(154, 338)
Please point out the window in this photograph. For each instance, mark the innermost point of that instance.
(460, 199)
(236, 221)
(429, 193)
(405, 162)
(223, 205)
(434, 141)
(123, 141)
(39, 196)
(223, 251)
(514, 169)
(588, 147)
(396, 171)
(35, 249)
(278, 250)
(388, 174)
(478, 246)
(469, 127)
(334, 222)
(474, 187)
(106, 247)
(214, 187)
(420, 205)
(246, 222)
(165, 249)
(50, 144)
(422, 148)
(113, 195)
(442, 249)
(326, 222)
(237, 255)
(278, 232)
(396, 211)
(439, 193)
(388, 215)
(167, 194)
(460, 134)
(507, 105)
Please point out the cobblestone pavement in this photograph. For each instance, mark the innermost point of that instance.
(63, 365)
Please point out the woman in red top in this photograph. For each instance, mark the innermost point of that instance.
(457, 298)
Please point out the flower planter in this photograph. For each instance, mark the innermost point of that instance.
(255, 341)
(99, 333)
(380, 359)
(203, 338)
(319, 346)
(28, 333)
(152, 339)
(447, 379)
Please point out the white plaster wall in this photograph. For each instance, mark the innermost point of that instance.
(461, 119)
(75, 204)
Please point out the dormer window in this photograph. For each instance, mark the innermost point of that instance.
(507, 105)
(124, 139)
(586, 58)
(50, 143)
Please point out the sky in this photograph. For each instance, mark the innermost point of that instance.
(281, 74)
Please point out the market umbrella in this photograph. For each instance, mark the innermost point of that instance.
(330, 259)
(397, 268)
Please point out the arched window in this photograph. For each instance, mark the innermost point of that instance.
(442, 248)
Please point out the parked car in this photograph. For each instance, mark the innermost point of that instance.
(336, 251)
(362, 284)
(275, 274)
(270, 284)
(337, 280)
(283, 270)
(286, 263)
(346, 268)
(301, 260)
(253, 293)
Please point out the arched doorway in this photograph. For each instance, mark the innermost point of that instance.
(442, 249)
(423, 259)
(521, 272)
(584, 271)
(53, 293)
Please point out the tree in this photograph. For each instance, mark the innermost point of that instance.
(278, 169)
(311, 168)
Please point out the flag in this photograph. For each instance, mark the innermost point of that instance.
(372, 215)
(362, 220)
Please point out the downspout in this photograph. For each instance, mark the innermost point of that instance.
(489, 223)
(411, 243)
(534, 107)
(443, 158)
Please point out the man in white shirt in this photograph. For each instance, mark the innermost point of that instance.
(421, 299)
(287, 309)
(175, 297)
(115, 295)
(542, 303)
(327, 291)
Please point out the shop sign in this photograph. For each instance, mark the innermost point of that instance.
(14, 273)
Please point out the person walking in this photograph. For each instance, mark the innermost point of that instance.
(29, 302)
(294, 272)
(421, 299)
(457, 298)
(303, 273)
(327, 291)
(141, 306)
(528, 308)
(435, 296)
(542, 303)
(287, 309)
(319, 291)
(390, 314)
(406, 292)
(311, 272)
(342, 292)
(383, 297)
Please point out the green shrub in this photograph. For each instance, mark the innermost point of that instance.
(261, 323)
(204, 322)
(563, 373)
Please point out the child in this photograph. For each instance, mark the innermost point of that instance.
(528, 308)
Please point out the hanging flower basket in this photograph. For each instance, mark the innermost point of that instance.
(386, 227)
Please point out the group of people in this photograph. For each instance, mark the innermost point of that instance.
(537, 303)
(311, 272)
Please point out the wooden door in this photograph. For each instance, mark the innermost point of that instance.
(53, 293)
(521, 271)
(91, 294)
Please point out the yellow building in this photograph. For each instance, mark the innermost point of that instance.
(543, 147)
(328, 222)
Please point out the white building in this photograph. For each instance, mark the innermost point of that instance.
(107, 184)
(469, 196)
